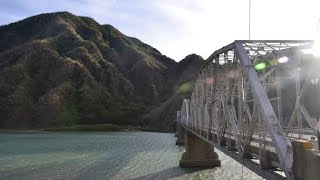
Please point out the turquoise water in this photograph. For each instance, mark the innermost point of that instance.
(114, 155)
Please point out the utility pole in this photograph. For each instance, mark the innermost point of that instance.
(250, 19)
(318, 113)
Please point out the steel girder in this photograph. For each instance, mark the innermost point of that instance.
(230, 96)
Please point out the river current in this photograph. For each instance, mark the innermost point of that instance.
(100, 155)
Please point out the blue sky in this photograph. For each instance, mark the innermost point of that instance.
(181, 27)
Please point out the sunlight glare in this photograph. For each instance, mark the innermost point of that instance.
(283, 59)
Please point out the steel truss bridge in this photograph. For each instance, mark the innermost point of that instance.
(249, 104)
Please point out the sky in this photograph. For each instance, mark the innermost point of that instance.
(181, 27)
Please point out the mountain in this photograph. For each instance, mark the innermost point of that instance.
(59, 69)
(163, 117)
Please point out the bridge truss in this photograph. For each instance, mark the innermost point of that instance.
(240, 110)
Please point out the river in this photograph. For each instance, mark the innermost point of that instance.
(104, 155)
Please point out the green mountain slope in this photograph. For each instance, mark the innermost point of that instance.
(59, 69)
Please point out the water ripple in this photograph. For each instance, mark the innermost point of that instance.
(116, 155)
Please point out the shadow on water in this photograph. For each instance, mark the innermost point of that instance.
(170, 173)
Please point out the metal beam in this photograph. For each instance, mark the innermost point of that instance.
(274, 41)
(217, 52)
(268, 73)
(311, 122)
(284, 150)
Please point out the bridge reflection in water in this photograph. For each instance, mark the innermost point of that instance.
(250, 102)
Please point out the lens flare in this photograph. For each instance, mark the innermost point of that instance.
(260, 66)
(316, 48)
(283, 59)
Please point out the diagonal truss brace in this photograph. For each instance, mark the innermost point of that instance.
(311, 122)
(284, 150)
(234, 126)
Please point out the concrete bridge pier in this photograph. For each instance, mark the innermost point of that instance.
(306, 161)
(180, 136)
(198, 153)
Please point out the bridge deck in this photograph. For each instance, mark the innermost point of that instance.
(273, 172)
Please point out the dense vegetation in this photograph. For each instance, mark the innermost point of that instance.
(59, 69)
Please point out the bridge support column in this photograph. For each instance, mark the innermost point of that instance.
(181, 135)
(198, 153)
(265, 161)
(306, 161)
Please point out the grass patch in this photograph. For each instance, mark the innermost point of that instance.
(93, 127)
